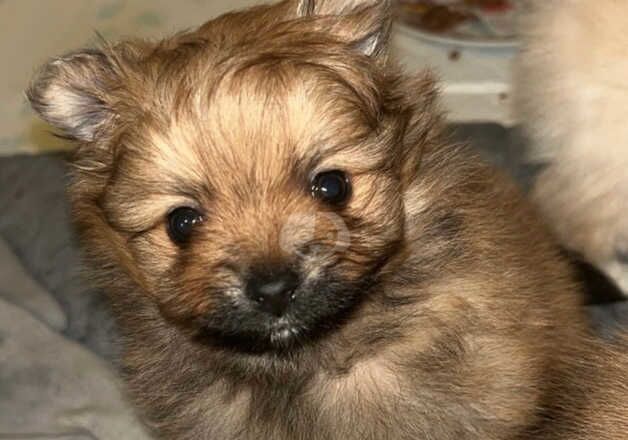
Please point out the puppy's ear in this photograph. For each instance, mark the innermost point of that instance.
(334, 7)
(364, 23)
(71, 93)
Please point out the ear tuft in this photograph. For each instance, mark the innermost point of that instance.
(305, 8)
(369, 46)
(335, 7)
(366, 23)
(70, 94)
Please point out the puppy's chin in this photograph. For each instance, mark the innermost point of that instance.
(317, 310)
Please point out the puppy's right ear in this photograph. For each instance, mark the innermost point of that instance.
(366, 24)
(72, 94)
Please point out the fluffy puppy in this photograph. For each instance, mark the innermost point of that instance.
(571, 92)
(293, 248)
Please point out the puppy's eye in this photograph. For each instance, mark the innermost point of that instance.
(181, 222)
(331, 187)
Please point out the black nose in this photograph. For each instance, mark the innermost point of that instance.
(273, 290)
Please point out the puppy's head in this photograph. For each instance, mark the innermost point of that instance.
(246, 177)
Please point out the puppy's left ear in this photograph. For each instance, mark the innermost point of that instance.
(72, 94)
(365, 24)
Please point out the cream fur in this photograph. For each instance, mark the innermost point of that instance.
(572, 97)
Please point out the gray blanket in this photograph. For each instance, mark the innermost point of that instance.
(57, 363)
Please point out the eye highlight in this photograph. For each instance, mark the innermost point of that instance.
(332, 187)
(181, 223)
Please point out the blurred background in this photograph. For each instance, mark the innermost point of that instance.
(473, 63)
(57, 341)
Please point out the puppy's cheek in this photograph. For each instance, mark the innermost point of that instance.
(357, 250)
(378, 215)
(191, 292)
(155, 251)
(366, 254)
(186, 306)
(170, 284)
(154, 255)
(371, 245)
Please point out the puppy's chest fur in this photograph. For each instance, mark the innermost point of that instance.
(358, 404)
(393, 394)
(370, 402)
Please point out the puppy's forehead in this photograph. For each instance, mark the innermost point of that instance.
(262, 119)
(285, 104)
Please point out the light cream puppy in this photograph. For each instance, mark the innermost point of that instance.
(571, 86)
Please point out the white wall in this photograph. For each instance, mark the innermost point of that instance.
(34, 30)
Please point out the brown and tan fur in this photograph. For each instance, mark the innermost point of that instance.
(464, 321)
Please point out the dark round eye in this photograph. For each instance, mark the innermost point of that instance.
(181, 222)
(331, 187)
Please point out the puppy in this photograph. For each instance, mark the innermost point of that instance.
(294, 249)
(571, 97)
